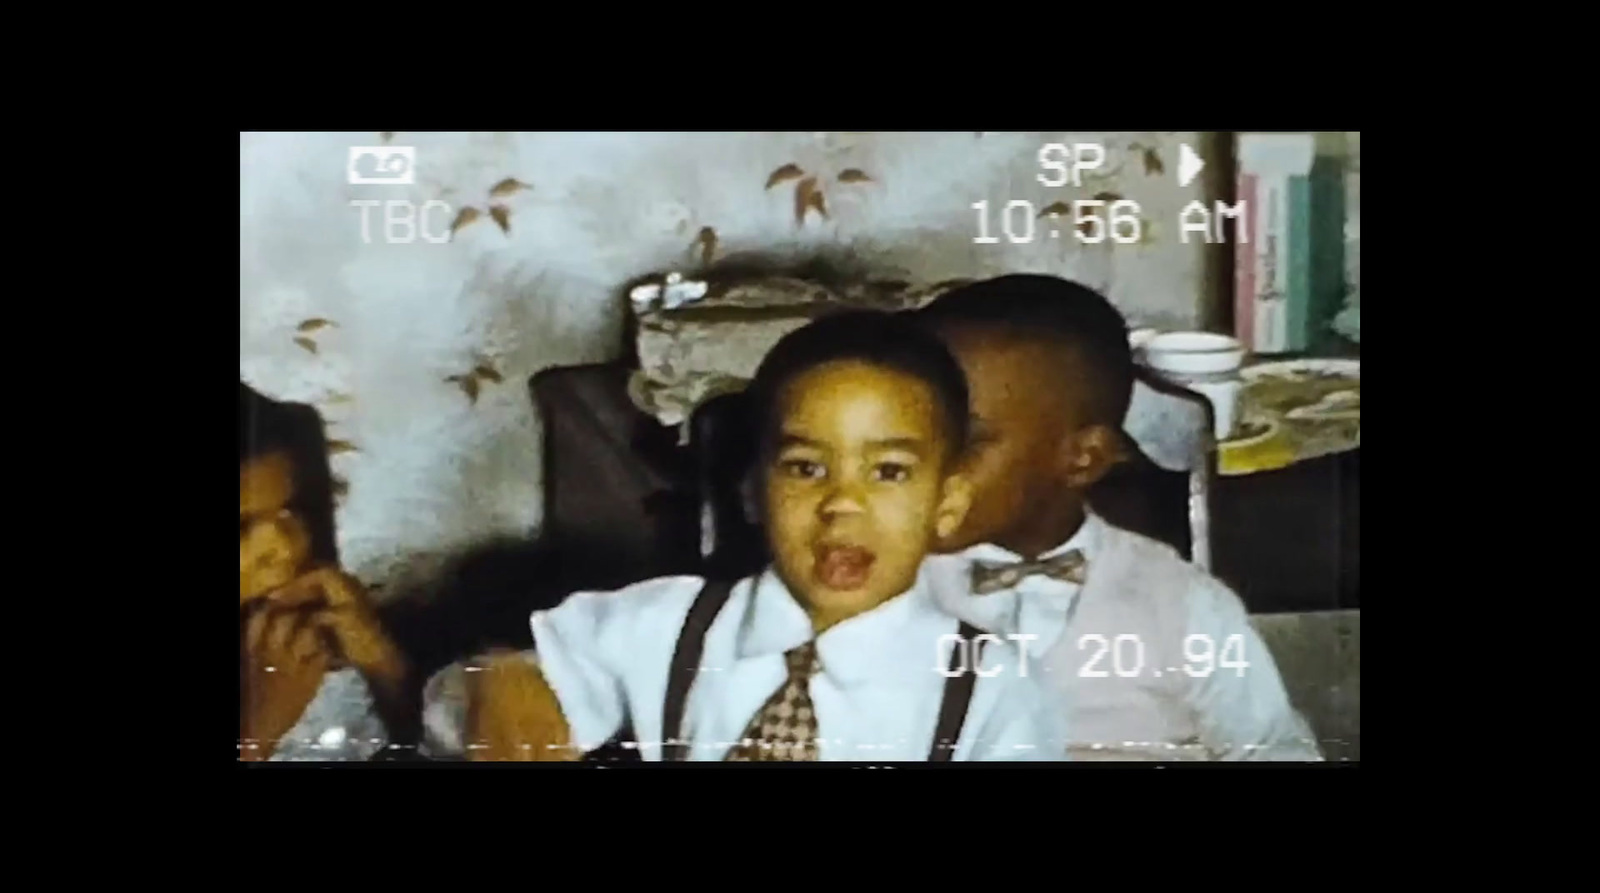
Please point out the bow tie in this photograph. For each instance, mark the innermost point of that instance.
(988, 577)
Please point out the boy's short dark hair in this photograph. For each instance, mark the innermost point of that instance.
(887, 340)
(1074, 316)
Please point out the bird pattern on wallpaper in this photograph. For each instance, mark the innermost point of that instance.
(809, 194)
(496, 211)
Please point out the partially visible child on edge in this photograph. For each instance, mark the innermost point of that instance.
(317, 673)
(835, 651)
(1051, 374)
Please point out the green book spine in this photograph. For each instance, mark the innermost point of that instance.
(1297, 301)
(1316, 257)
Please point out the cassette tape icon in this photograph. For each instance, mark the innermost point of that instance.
(382, 165)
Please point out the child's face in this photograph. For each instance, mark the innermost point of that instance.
(273, 543)
(857, 487)
(1029, 446)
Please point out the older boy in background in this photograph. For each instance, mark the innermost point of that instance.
(1050, 375)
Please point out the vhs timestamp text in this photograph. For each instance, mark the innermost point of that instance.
(1127, 660)
(1092, 222)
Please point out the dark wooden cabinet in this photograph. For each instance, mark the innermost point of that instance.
(1290, 540)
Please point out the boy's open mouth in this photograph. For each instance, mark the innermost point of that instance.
(840, 566)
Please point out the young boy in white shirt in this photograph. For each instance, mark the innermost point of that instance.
(1150, 657)
(837, 651)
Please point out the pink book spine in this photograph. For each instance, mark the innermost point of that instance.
(1244, 264)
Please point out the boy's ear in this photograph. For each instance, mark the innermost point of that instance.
(1092, 452)
(955, 499)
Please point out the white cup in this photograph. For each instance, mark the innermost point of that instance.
(1205, 363)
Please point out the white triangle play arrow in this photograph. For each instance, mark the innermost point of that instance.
(1189, 164)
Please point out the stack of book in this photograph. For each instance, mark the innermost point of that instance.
(1290, 246)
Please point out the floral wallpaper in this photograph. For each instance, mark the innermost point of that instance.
(417, 350)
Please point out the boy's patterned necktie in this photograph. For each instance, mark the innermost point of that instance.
(785, 728)
(988, 577)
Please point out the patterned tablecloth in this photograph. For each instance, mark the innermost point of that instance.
(1294, 410)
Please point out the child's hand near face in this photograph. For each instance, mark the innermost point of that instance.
(336, 605)
(318, 622)
(512, 714)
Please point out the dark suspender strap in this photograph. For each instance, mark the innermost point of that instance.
(686, 664)
(957, 695)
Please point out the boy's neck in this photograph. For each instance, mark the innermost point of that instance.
(1046, 529)
(823, 619)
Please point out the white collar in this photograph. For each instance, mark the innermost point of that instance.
(1035, 606)
(850, 650)
(1087, 538)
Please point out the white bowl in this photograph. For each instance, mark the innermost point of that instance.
(1193, 353)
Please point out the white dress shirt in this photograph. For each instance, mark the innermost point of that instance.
(1113, 651)
(607, 657)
